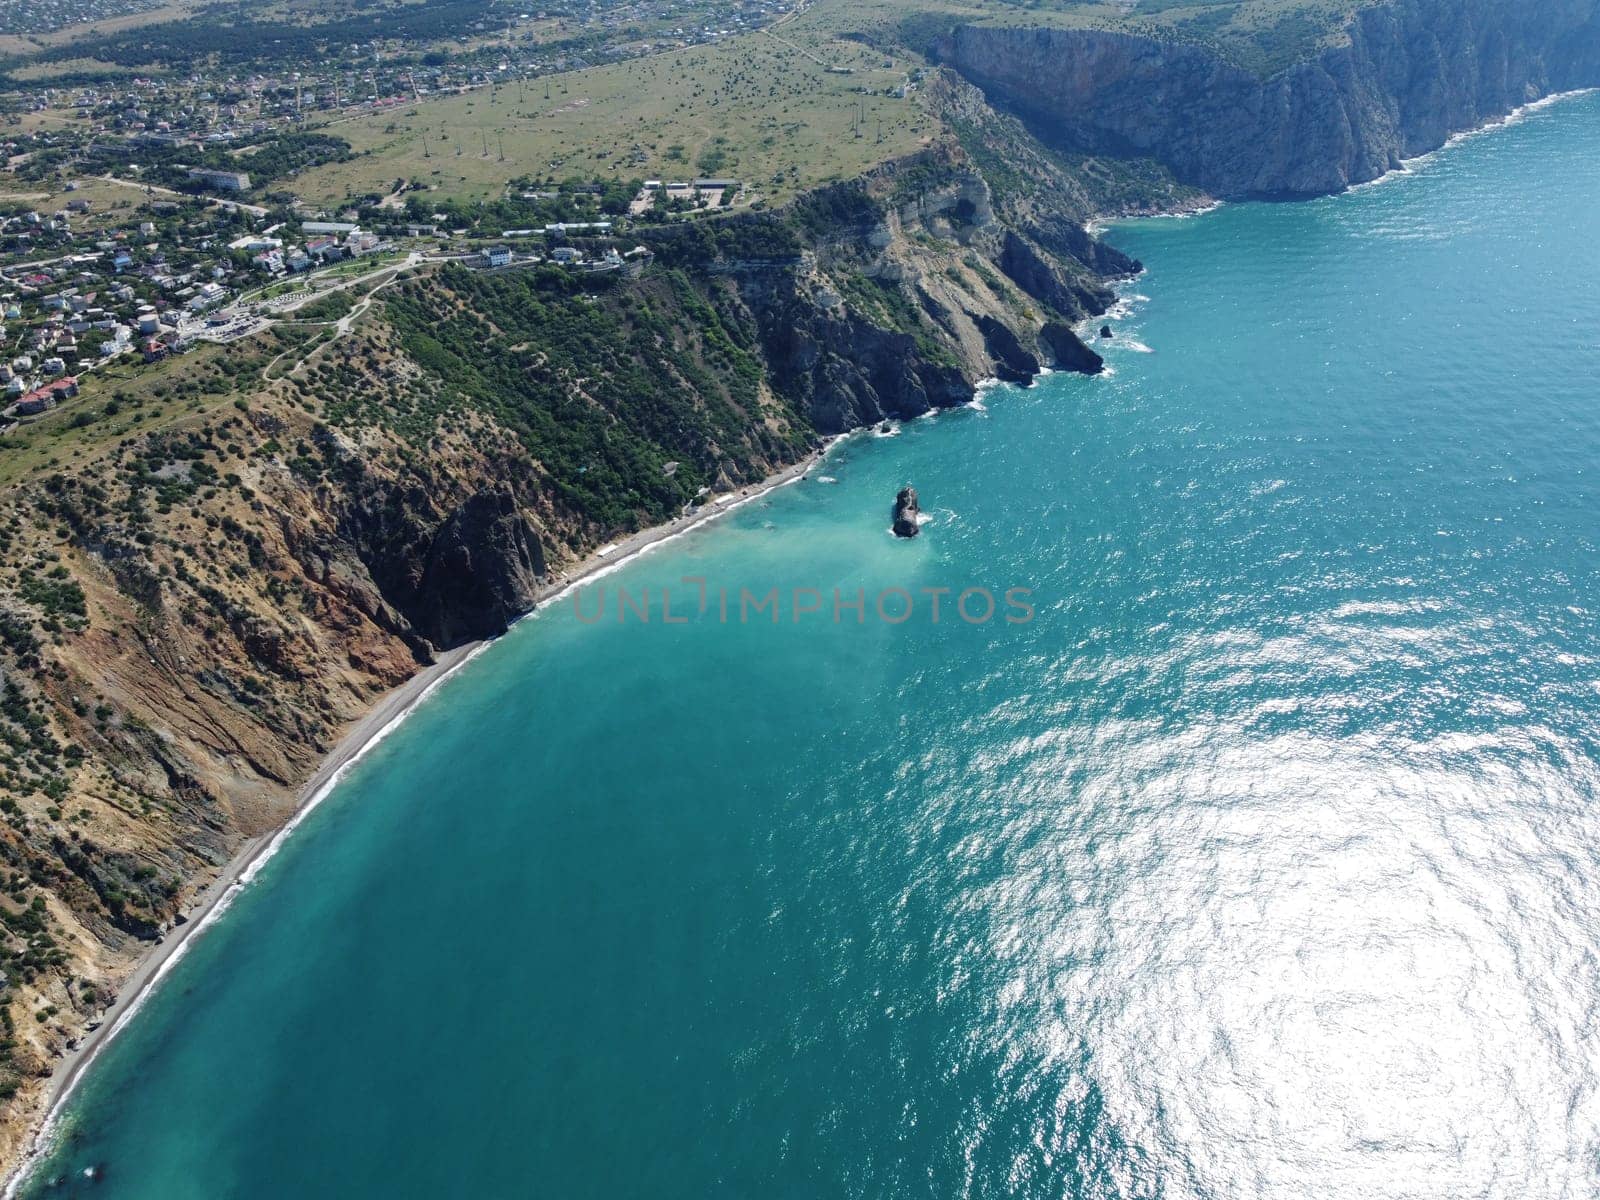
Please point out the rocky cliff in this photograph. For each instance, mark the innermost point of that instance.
(930, 293)
(1407, 75)
(910, 285)
(238, 560)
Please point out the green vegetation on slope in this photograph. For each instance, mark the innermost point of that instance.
(605, 384)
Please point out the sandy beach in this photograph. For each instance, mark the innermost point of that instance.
(209, 902)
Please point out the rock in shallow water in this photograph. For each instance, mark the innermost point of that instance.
(906, 512)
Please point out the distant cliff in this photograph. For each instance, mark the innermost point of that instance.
(1409, 74)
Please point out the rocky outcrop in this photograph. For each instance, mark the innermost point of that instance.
(434, 577)
(1066, 238)
(483, 570)
(1065, 350)
(845, 372)
(1026, 266)
(906, 512)
(1409, 74)
(904, 298)
(1012, 363)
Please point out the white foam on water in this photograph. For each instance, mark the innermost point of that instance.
(1514, 117)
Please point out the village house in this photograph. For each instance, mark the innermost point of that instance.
(209, 295)
(325, 249)
(34, 403)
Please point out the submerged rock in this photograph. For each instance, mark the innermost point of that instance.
(906, 511)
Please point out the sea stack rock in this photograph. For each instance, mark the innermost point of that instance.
(905, 513)
(1105, 331)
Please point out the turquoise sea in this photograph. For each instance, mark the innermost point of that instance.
(1264, 861)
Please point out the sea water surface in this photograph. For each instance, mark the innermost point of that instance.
(1264, 861)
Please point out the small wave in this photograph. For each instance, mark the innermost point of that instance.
(1121, 310)
(826, 479)
(1188, 214)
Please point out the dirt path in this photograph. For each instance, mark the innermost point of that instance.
(150, 188)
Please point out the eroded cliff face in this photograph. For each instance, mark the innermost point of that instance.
(1412, 72)
(918, 286)
(192, 615)
(188, 622)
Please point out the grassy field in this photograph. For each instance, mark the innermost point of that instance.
(117, 402)
(110, 204)
(774, 113)
(809, 100)
(815, 98)
(44, 72)
(27, 43)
